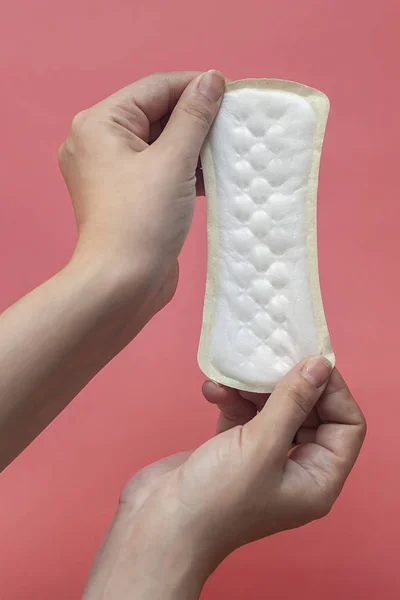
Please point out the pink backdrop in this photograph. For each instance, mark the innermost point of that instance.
(58, 497)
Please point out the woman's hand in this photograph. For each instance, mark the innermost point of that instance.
(265, 472)
(130, 166)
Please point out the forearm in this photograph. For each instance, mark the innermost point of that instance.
(147, 575)
(55, 339)
(146, 558)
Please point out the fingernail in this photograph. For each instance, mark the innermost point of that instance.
(211, 382)
(212, 85)
(214, 383)
(316, 370)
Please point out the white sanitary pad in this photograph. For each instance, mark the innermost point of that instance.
(263, 311)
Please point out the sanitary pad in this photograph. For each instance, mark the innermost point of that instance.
(263, 310)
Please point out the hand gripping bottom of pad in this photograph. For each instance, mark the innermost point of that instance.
(263, 310)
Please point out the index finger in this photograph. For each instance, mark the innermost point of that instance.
(155, 95)
(343, 427)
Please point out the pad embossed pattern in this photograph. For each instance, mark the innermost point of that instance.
(263, 310)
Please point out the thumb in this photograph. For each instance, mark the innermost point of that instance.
(289, 404)
(193, 116)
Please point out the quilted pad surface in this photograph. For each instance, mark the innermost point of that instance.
(262, 147)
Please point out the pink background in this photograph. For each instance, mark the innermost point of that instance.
(58, 497)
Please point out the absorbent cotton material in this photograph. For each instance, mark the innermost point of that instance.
(263, 310)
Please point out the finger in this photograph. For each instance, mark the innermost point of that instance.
(157, 127)
(192, 117)
(305, 435)
(289, 405)
(146, 101)
(234, 409)
(200, 191)
(255, 398)
(343, 426)
(330, 456)
(224, 396)
(313, 420)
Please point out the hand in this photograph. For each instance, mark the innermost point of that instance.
(130, 166)
(263, 473)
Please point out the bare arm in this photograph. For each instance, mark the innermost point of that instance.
(133, 204)
(54, 340)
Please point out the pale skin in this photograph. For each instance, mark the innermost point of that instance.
(278, 462)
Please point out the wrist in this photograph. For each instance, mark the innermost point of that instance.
(148, 556)
(167, 568)
(127, 281)
(119, 287)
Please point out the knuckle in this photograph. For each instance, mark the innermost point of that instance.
(199, 112)
(361, 432)
(321, 511)
(299, 397)
(159, 74)
(79, 135)
(324, 507)
(318, 506)
(78, 122)
(65, 152)
(363, 426)
(61, 155)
